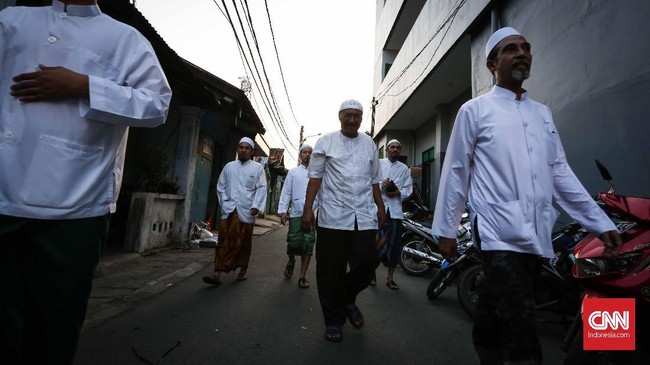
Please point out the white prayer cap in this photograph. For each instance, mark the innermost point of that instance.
(351, 104)
(305, 145)
(246, 140)
(497, 37)
(393, 141)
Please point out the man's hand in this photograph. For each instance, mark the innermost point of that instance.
(612, 242)
(448, 248)
(387, 184)
(283, 218)
(308, 221)
(254, 212)
(381, 216)
(49, 83)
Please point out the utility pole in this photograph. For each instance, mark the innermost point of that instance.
(373, 104)
(302, 130)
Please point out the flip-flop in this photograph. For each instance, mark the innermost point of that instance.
(334, 333)
(303, 283)
(355, 317)
(288, 271)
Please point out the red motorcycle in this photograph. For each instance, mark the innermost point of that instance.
(625, 276)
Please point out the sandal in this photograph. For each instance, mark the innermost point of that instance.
(303, 283)
(355, 317)
(334, 333)
(288, 271)
(241, 277)
(211, 280)
(391, 284)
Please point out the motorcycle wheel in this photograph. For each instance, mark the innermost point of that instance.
(408, 237)
(413, 265)
(439, 283)
(468, 286)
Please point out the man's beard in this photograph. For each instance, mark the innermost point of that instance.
(520, 75)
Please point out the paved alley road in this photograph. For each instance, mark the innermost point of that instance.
(267, 319)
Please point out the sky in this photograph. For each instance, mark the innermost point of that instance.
(325, 48)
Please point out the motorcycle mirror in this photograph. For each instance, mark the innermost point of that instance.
(603, 171)
(606, 175)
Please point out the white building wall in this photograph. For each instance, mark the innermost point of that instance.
(589, 66)
(414, 58)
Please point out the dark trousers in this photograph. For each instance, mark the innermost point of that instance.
(504, 322)
(335, 250)
(46, 272)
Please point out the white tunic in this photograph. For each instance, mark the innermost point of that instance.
(399, 173)
(507, 154)
(242, 186)
(293, 192)
(64, 159)
(347, 167)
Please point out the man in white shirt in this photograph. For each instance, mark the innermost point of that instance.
(72, 82)
(241, 190)
(396, 187)
(299, 243)
(344, 172)
(506, 158)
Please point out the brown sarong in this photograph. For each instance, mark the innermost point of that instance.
(235, 243)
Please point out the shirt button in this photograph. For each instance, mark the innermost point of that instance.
(63, 15)
(534, 176)
(51, 39)
(8, 135)
(530, 149)
(525, 125)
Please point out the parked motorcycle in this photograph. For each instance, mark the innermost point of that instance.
(421, 252)
(624, 276)
(556, 294)
(450, 270)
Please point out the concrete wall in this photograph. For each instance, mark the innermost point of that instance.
(590, 67)
(155, 221)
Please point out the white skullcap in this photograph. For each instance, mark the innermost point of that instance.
(497, 37)
(247, 140)
(351, 104)
(393, 141)
(305, 145)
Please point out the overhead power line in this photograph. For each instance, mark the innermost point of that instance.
(262, 84)
(277, 55)
(259, 53)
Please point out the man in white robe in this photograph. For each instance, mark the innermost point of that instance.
(241, 190)
(72, 81)
(505, 156)
(344, 172)
(299, 243)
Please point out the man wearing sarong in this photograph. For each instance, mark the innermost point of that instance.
(396, 187)
(299, 243)
(241, 190)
